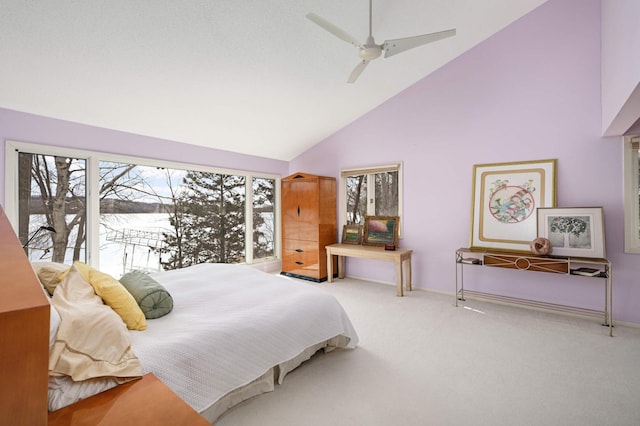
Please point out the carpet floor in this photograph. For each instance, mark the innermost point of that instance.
(422, 361)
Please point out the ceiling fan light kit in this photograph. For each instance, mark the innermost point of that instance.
(370, 50)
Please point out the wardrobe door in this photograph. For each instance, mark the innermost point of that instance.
(308, 214)
(290, 223)
(300, 210)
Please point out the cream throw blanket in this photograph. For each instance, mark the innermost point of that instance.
(92, 340)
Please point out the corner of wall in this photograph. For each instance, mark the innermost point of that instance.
(620, 81)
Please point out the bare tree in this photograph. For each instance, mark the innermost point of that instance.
(24, 196)
(60, 183)
(60, 197)
(356, 205)
(386, 187)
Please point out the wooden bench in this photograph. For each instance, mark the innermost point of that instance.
(398, 256)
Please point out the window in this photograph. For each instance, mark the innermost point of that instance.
(631, 194)
(264, 220)
(52, 194)
(371, 191)
(122, 213)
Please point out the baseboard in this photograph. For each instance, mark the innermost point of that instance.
(515, 302)
(534, 304)
(370, 280)
(539, 306)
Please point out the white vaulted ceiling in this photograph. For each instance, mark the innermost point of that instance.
(251, 76)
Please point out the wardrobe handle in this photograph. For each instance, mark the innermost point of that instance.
(300, 263)
(300, 250)
(298, 211)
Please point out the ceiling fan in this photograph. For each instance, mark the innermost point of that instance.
(370, 50)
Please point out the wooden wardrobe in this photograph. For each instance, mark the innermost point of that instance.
(308, 224)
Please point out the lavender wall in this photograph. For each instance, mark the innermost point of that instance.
(620, 64)
(530, 92)
(21, 127)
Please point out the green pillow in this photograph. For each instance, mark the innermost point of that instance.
(154, 300)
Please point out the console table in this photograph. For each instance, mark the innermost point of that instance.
(398, 256)
(530, 262)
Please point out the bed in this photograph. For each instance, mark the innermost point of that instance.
(233, 332)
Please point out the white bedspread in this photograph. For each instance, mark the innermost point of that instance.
(229, 325)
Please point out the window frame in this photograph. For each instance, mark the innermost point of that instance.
(370, 172)
(93, 158)
(631, 194)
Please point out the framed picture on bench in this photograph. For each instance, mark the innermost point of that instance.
(381, 230)
(352, 234)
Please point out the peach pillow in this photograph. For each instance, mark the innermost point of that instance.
(50, 274)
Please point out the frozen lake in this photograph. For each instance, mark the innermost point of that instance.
(127, 241)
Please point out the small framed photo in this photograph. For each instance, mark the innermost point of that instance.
(381, 230)
(352, 234)
(573, 231)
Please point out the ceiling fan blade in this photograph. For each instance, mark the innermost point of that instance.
(393, 47)
(357, 71)
(338, 32)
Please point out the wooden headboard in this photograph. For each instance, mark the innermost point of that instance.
(24, 335)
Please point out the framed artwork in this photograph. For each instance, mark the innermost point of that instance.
(573, 231)
(381, 230)
(505, 199)
(352, 234)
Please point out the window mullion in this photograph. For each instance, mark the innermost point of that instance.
(10, 179)
(631, 194)
(635, 142)
(371, 194)
(248, 211)
(93, 211)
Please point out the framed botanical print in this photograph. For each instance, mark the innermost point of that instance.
(574, 231)
(505, 199)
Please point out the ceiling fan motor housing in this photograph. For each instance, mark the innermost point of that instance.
(370, 50)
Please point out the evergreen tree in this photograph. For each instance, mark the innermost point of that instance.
(263, 202)
(212, 221)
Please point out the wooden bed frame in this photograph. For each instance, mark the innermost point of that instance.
(24, 335)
